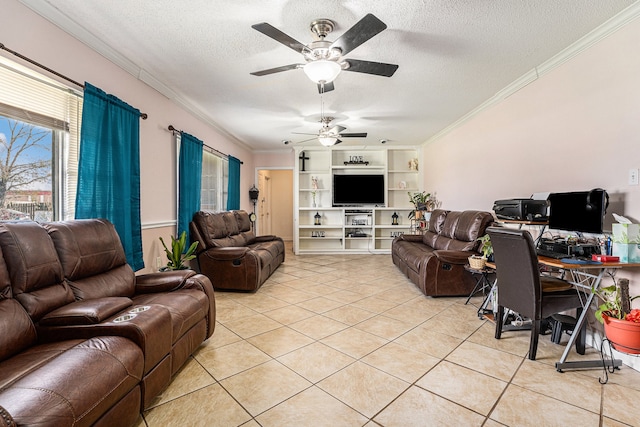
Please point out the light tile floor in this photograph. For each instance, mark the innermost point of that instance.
(347, 340)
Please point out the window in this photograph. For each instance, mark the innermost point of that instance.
(39, 134)
(215, 181)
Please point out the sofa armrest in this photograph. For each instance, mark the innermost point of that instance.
(226, 254)
(415, 238)
(202, 283)
(165, 281)
(86, 312)
(453, 257)
(266, 238)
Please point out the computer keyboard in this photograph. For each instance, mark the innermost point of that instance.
(551, 254)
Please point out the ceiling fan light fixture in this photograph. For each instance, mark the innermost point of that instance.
(322, 71)
(327, 141)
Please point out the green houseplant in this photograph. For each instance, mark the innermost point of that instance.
(621, 322)
(422, 201)
(485, 246)
(179, 254)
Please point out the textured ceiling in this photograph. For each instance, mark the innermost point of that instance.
(453, 55)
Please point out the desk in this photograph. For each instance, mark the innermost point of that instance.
(584, 277)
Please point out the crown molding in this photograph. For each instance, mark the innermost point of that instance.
(601, 32)
(82, 34)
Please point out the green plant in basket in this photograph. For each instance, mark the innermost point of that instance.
(485, 246)
(179, 254)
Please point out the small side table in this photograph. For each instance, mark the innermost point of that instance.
(483, 284)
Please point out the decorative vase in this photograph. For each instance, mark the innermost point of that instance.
(623, 334)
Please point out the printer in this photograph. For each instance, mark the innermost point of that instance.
(521, 209)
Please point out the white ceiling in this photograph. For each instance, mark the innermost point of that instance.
(453, 55)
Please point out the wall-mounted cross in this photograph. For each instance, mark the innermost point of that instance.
(303, 158)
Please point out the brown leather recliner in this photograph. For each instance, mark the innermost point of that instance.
(76, 382)
(230, 254)
(73, 281)
(435, 260)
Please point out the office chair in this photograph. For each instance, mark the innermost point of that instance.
(522, 289)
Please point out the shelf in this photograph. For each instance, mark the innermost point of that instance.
(321, 238)
(324, 164)
(356, 167)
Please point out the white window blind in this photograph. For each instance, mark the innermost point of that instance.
(31, 97)
(215, 177)
(214, 180)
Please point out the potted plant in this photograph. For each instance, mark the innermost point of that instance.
(621, 323)
(421, 202)
(179, 254)
(486, 247)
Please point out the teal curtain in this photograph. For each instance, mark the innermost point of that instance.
(233, 197)
(109, 168)
(190, 180)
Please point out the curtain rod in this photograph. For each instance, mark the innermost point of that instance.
(173, 129)
(143, 116)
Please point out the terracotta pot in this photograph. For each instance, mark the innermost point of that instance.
(624, 335)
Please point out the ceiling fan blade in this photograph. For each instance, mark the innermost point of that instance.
(327, 87)
(276, 70)
(271, 31)
(337, 129)
(369, 67)
(353, 135)
(362, 31)
(338, 142)
(303, 133)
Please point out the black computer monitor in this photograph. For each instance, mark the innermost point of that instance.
(580, 211)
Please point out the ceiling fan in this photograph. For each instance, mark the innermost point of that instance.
(329, 136)
(324, 59)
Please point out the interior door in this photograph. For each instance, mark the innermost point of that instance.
(264, 203)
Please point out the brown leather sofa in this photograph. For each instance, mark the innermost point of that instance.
(230, 254)
(435, 260)
(84, 341)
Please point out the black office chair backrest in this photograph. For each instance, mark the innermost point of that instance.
(517, 271)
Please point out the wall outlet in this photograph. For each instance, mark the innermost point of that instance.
(633, 176)
(158, 263)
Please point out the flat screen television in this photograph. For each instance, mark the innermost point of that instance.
(358, 190)
(580, 211)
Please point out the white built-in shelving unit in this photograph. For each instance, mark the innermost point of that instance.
(355, 229)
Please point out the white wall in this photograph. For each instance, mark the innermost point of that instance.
(27, 33)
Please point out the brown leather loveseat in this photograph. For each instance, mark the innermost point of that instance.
(83, 340)
(435, 260)
(230, 254)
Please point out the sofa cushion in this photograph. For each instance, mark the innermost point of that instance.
(92, 258)
(186, 306)
(230, 223)
(244, 227)
(18, 331)
(35, 272)
(71, 382)
(244, 223)
(470, 224)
